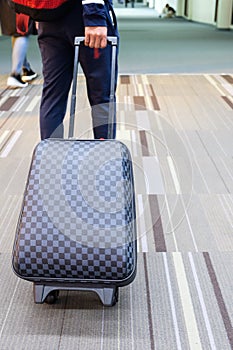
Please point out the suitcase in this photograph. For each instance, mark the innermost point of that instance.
(77, 226)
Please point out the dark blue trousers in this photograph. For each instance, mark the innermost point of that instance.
(56, 42)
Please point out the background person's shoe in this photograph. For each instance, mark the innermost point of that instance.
(28, 75)
(15, 81)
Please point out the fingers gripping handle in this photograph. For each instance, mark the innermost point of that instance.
(77, 41)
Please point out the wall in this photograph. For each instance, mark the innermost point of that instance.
(180, 8)
(202, 11)
(225, 10)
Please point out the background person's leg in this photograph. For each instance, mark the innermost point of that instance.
(19, 52)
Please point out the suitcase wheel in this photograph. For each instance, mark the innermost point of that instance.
(115, 297)
(52, 297)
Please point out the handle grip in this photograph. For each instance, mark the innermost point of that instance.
(111, 40)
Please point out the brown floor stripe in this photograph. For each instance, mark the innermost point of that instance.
(154, 99)
(144, 144)
(148, 297)
(228, 78)
(160, 244)
(226, 99)
(124, 79)
(6, 106)
(219, 297)
(139, 102)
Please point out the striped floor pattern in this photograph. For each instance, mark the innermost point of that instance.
(179, 129)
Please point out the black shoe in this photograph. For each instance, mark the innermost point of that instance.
(28, 75)
(15, 81)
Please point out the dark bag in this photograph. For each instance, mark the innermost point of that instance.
(7, 19)
(43, 10)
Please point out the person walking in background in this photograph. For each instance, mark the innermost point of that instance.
(93, 19)
(21, 72)
(128, 1)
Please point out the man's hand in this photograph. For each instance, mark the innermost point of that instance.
(96, 37)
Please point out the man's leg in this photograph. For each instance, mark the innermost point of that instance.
(96, 65)
(97, 69)
(57, 57)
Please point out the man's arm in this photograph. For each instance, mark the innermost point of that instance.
(96, 37)
(95, 23)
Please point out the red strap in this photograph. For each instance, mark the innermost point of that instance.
(96, 54)
(22, 23)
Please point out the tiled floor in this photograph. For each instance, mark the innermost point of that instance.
(179, 129)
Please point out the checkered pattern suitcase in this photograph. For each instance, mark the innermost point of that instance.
(77, 228)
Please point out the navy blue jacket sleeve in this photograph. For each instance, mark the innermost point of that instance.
(94, 13)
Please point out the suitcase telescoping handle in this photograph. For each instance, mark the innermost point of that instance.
(77, 41)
